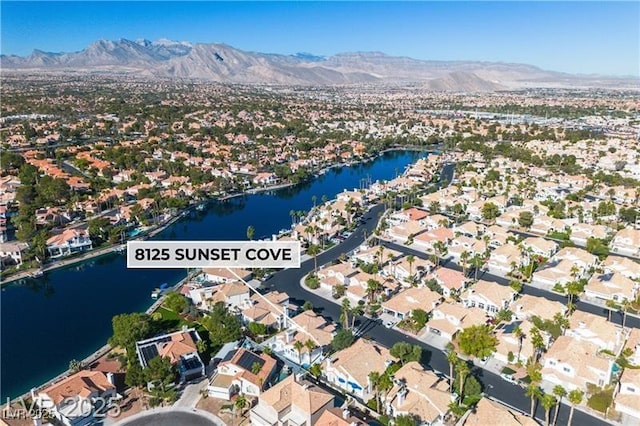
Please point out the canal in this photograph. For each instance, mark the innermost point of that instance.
(67, 313)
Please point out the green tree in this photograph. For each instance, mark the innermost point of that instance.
(316, 370)
(575, 398)
(257, 329)
(462, 371)
(176, 302)
(478, 341)
(251, 231)
(223, 327)
(241, 403)
(406, 352)
(405, 420)
(534, 393)
(343, 339)
(160, 370)
(314, 250)
(525, 219)
(75, 366)
(547, 401)
(559, 393)
(129, 328)
(490, 211)
(452, 359)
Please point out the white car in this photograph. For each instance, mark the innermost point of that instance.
(389, 324)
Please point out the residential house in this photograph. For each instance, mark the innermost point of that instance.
(224, 275)
(597, 330)
(505, 259)
(542, 225)
(420, 394)
(581, 232)
(242, 371)
(269, 309)
(627, 267)
(74, 400)
(179, 347)
(449, 280)
(627, 242)
(511, 347)
(338, 274)
(488, 296)
(234, 295)
(304, 339)
(402, 304)
(528, 306)
(68, 242)
(402, 232)
(470, 229)
(426, 240)
(411, 214)
(572, 363)
(464, 243)
(349, 370)
(611, 286)
(497, 236)
(490, 412)
(540, 246)
(627, 400)
(448, 318)
(402, 269)
(11, 253)
(291, 402)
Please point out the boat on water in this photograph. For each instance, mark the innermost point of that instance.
(158, 291)
(200, 207)
(37, 274)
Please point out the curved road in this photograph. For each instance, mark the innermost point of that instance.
(288, 281)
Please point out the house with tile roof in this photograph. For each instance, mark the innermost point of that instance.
(242, 371)
(402, 304)
(489, 412)
(627, 398)
(68, 242)
(488, 296)
(597, 330)
(418, 393)
(291, 402)
(527, 306)
(70, 398)
(349, 370)
(572, 363)
(612, 286)
(179, 347)
(448, 318)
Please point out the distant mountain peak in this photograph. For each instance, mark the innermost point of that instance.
(223, 63)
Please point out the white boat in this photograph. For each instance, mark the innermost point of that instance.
(156, 293)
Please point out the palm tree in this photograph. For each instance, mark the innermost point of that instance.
(517, 332)
(611, 305)
(452, 358)
(292, 213)
(344, 317)
(560, 393)
(548, 401)
(298, 345)
(625, 304)
(241, 403)
(575, 398)
(463, 371)
(464, 258)
(410, 259)
(533, 392)
(477, 262)
(374, 379)
(314, 250)
(251, 231)
(373, 287)
(311, 346)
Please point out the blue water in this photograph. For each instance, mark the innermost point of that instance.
(67, 313)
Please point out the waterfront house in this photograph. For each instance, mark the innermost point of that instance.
(11, 253)
(448, 318)
(488, 296)
(573, 363)
(224, 275)
(234, 295)
(420, 394)
(242, 372)
(74, 400)
(349, 370)
(179, 347)
(269, 309)
(68, 242)
(291, 402)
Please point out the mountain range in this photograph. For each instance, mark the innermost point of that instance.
(223, 63)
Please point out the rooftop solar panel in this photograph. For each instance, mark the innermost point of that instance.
(247, 359)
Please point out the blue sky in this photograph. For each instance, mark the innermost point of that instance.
(577, 37)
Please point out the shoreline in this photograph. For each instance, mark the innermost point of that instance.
(28, 273)
(105, 349)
